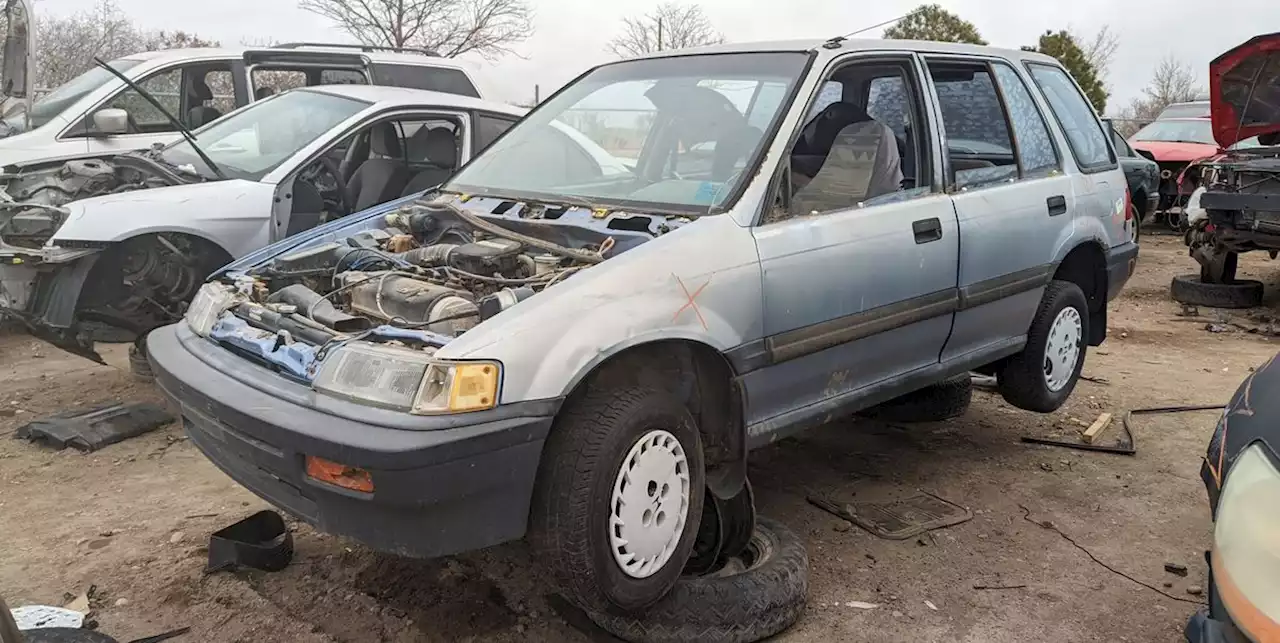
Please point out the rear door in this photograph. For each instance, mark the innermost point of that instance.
(1011, 197)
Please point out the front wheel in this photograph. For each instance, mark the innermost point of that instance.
(619, 497)
(1042, 376)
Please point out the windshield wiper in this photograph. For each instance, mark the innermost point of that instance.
(186, 133)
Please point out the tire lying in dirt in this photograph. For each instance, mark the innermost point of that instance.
(1042, 376)
(942, 401)
(619, 497)
(750, 599)
(139, 365)
(65, 635)
(1240, 293)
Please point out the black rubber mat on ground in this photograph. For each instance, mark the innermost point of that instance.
(91, 429)
(898, 519)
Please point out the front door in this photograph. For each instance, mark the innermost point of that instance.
(1011, 198)
(858, 265)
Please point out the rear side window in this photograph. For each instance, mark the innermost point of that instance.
(1084, 133)
(1035, 147)
(977, 129)
(489, 128)
(436, 79)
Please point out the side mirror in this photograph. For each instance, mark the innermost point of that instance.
(107, 122)
(1144, 153)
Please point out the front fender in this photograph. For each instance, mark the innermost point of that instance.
(236, 215)
(550, 342)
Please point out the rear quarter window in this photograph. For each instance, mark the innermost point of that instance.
(436, 79)
(1075, 115)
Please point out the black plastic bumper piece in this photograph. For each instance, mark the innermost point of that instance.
(1122, 260)
(450, 484)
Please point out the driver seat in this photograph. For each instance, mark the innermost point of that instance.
(201, 114)
(384, 175)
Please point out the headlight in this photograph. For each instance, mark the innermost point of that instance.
(1247, 545)
(401, 379)
(209, 303)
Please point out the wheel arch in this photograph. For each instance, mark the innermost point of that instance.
(703, 379)
(1085, 265)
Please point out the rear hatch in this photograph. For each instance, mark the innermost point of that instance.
(1244, 90)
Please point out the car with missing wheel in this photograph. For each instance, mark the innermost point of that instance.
(106, 249)
(1238, 208)
(538, 349)
(1241, 472)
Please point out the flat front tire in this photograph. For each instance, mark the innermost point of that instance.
(619, 497)
(1042, 376)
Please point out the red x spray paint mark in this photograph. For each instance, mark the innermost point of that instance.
(692, 301)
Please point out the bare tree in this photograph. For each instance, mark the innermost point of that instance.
(449, 27)
(670, 26)
(1173, 81)
(1099, 49)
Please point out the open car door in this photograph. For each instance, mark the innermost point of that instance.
(18, 68)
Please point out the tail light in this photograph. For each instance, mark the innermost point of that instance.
(1128, 204)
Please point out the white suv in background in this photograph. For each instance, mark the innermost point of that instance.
(197, 86)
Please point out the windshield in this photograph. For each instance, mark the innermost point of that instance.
(250, 142)
(683, 129)
(1192, 130)
(66, 94)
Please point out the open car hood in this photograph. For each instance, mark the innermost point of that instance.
(18, 67)
(1248, 73)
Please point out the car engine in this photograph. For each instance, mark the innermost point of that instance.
(433, 269)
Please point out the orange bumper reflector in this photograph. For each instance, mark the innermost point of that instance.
(339, 475)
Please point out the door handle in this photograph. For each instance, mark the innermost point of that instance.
(1057, 205)
(927, 230)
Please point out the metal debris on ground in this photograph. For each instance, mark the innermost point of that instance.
(1123, 446)
(261, 541)
(91, 429)
(1175, 569)
(897, 519)
(31, 617)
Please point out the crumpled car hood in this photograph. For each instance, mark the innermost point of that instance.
(1172, 152)
(1248, 73)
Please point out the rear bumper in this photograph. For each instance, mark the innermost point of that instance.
(1122, 260)
(448, 485)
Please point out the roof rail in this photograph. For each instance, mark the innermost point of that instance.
(366, 48)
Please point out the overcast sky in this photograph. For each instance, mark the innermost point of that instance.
(571, 35)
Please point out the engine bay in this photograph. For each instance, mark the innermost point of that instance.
(424, 274)
(32, 198)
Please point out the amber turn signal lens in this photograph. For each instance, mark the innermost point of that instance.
(339, 475)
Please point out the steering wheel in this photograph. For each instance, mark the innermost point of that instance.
(326, 165)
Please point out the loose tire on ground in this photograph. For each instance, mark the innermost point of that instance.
(735, 605)
(942, 401)
(1241, 293)
(139, 364)
(573, 500)
(1025, 379)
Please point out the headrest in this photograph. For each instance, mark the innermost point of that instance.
(384, 141)
(435, 145)
(200, 90)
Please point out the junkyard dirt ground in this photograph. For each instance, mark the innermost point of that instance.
(133, 519)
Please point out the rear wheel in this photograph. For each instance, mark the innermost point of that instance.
(619, 497)
(1042, 376)
(942, 401)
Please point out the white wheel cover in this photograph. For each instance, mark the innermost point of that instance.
(650, 504)
(1062, 349)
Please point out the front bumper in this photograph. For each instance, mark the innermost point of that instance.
(1122, 260)
(448, 484)
(1212, 624)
